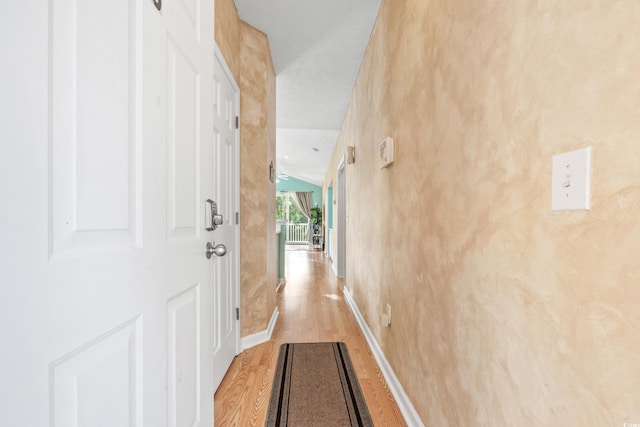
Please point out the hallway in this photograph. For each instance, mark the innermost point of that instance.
(312, 309)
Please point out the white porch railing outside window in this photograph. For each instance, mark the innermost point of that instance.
(296, 234)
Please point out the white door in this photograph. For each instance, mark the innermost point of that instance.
(106, 296)
(342, 219)
(227, 196)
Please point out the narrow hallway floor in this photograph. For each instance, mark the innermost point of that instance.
(312, 309)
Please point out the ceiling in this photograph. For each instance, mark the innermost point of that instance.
(317, 48)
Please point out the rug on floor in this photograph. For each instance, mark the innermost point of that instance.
(315, 385)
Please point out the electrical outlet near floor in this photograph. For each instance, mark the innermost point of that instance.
(388, 315)
(385, 317)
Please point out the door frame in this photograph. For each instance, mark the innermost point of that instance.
(341, 247)
(329, 221)
(218, 55)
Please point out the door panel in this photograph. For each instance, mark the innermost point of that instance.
(192, 10)
(184, 323)
(79, 394)
(92, 144)
(183, 145)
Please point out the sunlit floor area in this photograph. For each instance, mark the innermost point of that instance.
(312, 309)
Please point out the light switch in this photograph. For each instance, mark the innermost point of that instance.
(571, 180)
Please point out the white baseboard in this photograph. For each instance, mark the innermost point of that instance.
(406, 407)
(260, 337)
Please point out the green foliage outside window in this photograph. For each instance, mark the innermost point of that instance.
(288, 210)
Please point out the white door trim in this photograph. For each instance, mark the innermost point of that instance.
(402, 399)
(226, 114)
(236, 291)
(341, 246)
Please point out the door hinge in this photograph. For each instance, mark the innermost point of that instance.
(237, 218)
(237, 122)
(237, 313)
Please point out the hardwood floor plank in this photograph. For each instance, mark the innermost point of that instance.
(312, 309)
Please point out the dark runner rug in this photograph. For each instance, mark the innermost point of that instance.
(315, 385)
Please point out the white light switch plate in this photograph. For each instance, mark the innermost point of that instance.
(571, 181)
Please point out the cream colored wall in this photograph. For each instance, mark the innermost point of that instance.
(504, 312)
(257, 192)
(227, 34)
(247, 53)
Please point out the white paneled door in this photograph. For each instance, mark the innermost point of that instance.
(106, 295)
(227, 195)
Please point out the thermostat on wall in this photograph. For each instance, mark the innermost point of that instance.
(386, 152)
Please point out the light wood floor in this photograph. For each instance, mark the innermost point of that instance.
(312, 309)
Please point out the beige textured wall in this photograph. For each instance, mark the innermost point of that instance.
(505, 313)
(257, 192)
(247, 53)
(227, 34)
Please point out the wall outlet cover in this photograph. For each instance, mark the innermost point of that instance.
(388, 315)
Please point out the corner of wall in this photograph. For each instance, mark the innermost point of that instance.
(257, 121)
(247, 53)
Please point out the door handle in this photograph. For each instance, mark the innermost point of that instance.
(213, 249)
(216, 219)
